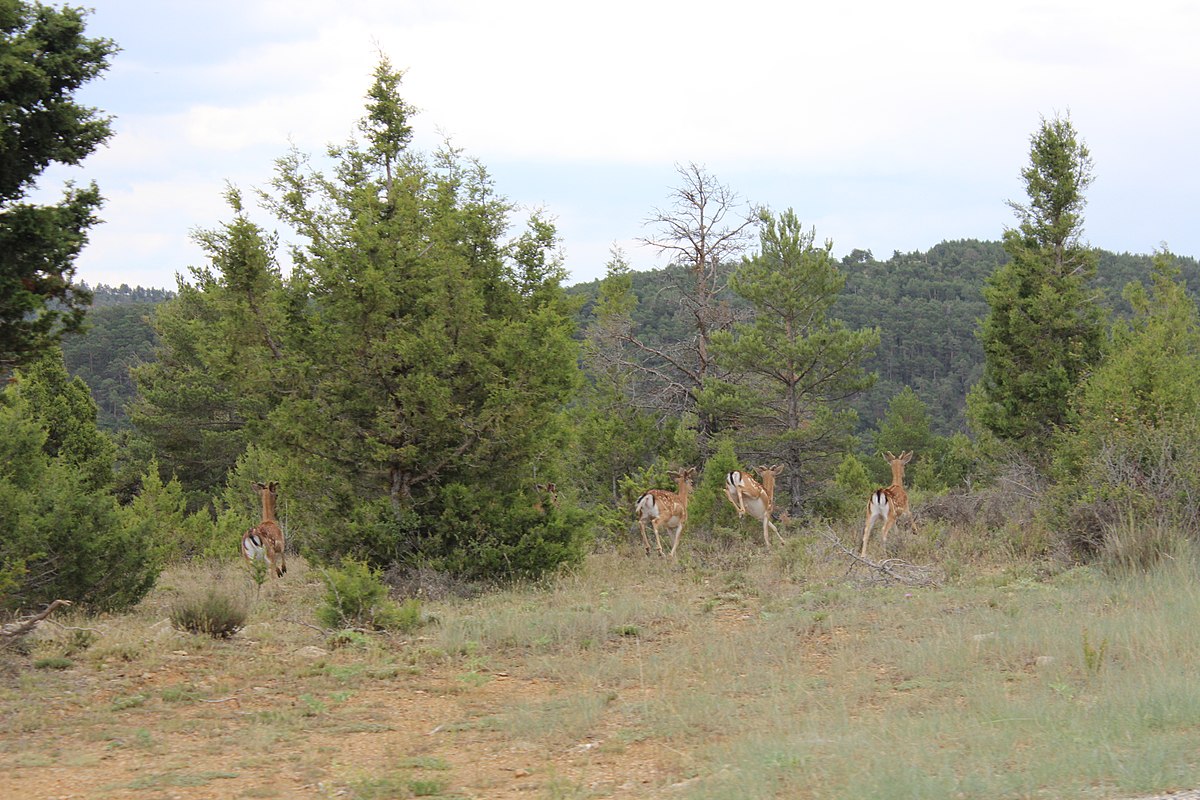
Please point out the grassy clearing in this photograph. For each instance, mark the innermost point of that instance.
(728, 675)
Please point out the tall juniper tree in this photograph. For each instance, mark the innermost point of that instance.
(1044, 329)
(409, 373)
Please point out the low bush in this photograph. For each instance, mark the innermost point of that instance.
(213, 613)
(356, 597)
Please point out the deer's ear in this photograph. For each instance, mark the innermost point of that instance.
(273, 486)
(777, 469)
(906, 457)
(258, 487)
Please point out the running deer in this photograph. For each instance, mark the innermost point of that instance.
(757, 499)
(889, 502)
(668, 509)
(265, 540)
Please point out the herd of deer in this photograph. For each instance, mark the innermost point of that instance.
(668, 510)
(661, 508)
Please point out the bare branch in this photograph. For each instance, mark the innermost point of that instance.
(24, 625)
(890, 568)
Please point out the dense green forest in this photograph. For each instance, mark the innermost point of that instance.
(117, 335)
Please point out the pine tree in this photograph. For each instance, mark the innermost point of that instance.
(411, 370)
(906, 426)
(791, 369)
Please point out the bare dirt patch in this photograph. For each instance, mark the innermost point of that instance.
(234, 746)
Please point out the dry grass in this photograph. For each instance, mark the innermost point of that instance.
(732, 674)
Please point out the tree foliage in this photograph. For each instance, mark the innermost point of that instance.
(211, 383)
(617, 434)
(411, 369)
(45, 58)
(65, 537)
(792, 368)
(1044, 329)
(1133, 454)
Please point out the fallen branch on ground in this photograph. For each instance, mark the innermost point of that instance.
(890, 568)
(24, 625)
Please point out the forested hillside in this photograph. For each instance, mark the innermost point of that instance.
(926, 305)
(116, 335)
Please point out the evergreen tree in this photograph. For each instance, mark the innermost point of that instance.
(616, 435)
(63, 406)
(906, 426)
(218, 368)
(1133, 454)
(64, 534)
(45, 58)
(1044, 328)
(791, 369)
(412, 369)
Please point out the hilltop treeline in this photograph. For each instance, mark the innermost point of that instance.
(927, 305)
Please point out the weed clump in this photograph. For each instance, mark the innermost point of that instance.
(213, 613)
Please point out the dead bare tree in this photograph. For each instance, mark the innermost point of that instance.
(706, 227)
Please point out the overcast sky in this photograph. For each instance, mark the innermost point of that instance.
(886, 126)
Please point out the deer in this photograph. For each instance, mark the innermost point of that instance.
(668, 509)
(889, 502)
(757, 499)
(265, 540)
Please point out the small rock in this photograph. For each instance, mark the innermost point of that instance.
(312, 651)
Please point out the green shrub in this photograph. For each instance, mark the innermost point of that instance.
(481, 534)
(213, 613)
(63, 538)
(162, 509)
(1128, 468)
(356, 597)
(846, 498)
